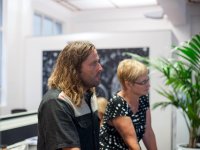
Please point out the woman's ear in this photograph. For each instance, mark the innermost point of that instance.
(128, 84)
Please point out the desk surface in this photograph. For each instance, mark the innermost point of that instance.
(18, 120)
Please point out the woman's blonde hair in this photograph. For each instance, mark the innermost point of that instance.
(66, 73)
(130, 70)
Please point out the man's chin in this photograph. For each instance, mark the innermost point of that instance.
(97, 83)
(92, 85)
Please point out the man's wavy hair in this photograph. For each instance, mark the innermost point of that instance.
(66, 72)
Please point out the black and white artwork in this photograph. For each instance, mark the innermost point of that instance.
(109, 60)
(48, 60)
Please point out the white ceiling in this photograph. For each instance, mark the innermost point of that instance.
(81, 5)
(175, 10)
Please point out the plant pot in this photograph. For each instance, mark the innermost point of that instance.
(183, 147)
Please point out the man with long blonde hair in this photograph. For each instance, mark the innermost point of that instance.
(67, 116)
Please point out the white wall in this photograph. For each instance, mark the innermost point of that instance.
(33, 81)
(17, 26)
(130, 19)
(117, 20)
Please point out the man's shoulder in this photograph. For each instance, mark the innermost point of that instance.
(49, 97)
(51, 101)
(51, 94)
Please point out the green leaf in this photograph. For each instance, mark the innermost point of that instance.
(182, 81)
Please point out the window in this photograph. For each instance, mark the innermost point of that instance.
(57, 28)
(37, 24)
(45, 26)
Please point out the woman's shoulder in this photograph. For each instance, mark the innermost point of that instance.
(144, 97)
(144, 100)
(116, 99)
(116, 107)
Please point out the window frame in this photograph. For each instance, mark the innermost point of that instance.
(54, 25)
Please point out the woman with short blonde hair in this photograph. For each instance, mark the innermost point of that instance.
(127, 119)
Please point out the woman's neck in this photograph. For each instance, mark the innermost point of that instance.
(130, 98)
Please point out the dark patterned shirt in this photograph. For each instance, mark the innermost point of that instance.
(61, 124)
(110, 139)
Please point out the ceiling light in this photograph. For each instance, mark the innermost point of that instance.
(155, 14)
(134, 3)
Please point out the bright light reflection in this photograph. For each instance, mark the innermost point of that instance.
(129, 3)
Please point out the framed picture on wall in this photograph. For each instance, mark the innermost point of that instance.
(109, 59)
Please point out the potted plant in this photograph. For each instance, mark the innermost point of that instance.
(182, 76)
